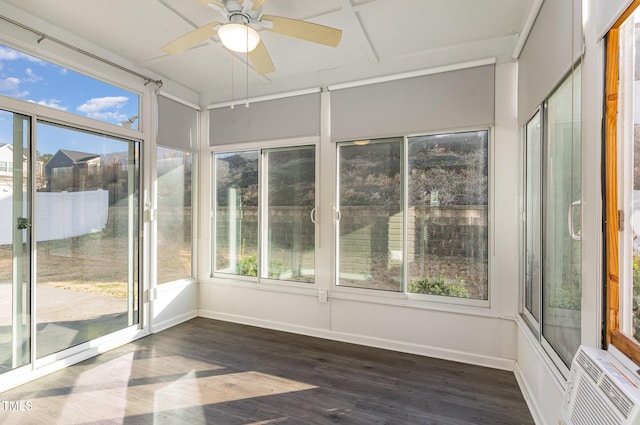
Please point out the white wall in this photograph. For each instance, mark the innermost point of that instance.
(478, 335)
(542, 388)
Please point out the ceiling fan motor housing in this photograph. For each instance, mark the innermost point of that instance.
(239, 18)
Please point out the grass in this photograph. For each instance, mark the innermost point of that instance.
(97, 263)
(108, 289)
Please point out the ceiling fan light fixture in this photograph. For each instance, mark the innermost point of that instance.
(239, 38)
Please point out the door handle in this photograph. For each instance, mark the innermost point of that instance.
(23, 223)
(575, 236)
(313, 216)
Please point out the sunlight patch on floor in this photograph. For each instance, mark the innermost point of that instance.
(156, 386)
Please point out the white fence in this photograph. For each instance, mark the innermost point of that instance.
(59, 215)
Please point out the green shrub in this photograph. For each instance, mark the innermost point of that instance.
(247, 266)
(568, 299)
(439, 286)
(276, 268)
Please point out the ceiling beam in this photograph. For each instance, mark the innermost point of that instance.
(360, 33)
(526, 29)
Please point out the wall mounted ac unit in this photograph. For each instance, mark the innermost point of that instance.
(601, 390)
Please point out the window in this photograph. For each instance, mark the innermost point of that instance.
(448, 214)
(31, 79)
(236, 213)
(69, 212)
(174, 215)
(176, 139)
(622, 185)
(289, 240)
(370, 229)
(533, 220)
(265, 214)
(87, 227)
(413, 215)
(552, 268)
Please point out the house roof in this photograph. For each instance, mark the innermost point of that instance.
(77, 156)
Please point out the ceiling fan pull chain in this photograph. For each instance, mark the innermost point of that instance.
(247, 65)
(232, 83)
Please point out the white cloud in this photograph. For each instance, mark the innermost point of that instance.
(11, 86)
(51, 103)
(99, 104)
(7, 54)
(105, 108)
(31, 76)
(108, 116)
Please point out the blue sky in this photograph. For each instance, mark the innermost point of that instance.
(34, 80)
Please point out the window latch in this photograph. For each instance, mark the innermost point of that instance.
(620, 220)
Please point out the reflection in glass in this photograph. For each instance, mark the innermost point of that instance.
(15, 212)
(370, 246)
(87, 236)
(290, 241)
(236, 213)
(447, 216)
(174, 215)
(562, 287)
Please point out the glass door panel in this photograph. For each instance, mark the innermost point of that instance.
(562, 287)
(87, 237)
(533, 209)
(289, 245)
(371, 214)
(15, 227)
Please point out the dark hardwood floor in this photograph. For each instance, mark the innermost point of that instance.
(212, 372)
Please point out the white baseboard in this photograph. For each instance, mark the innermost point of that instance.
(165, 324)
(423, 350)
(528, 396)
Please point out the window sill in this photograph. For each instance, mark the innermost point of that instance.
(447, 304)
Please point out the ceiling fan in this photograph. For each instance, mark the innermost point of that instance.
(244, 19)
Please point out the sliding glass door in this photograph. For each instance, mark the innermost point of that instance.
(552, 296)
(15, 248)
(562, 265)
(75, 195)
(87, 237)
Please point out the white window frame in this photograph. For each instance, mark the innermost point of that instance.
(404, 297)
(260, 147)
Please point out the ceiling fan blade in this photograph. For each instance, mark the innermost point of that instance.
(191, 39)
(261, 60)
(304, 30)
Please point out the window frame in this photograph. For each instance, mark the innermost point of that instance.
(415, 299)
(536, 326)
(264, 211)
(530, 319)
(613, 334)
(401, 293)
(261, 148)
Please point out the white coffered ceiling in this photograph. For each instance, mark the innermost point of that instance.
(380, 37)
